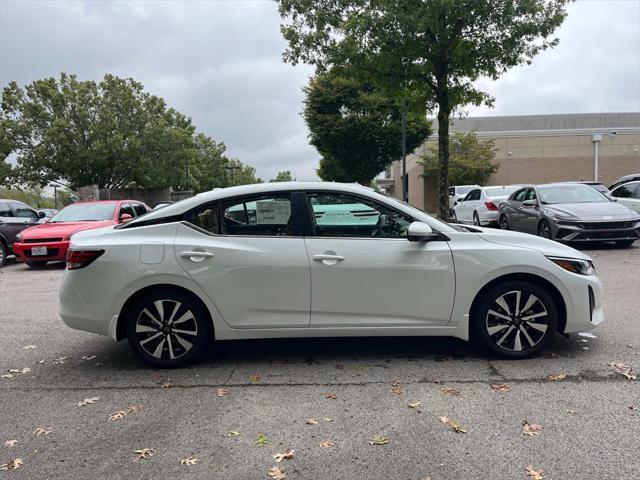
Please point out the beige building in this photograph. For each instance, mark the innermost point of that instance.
(537, 149)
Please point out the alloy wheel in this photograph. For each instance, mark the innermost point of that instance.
(517, 321)
(167, 330)
(544, 230)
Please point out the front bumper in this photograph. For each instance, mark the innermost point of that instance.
(596, 231)
(584, 305)
(56, 251)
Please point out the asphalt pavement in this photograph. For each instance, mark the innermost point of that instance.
(250, 400)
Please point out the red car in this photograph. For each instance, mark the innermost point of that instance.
(48, 242)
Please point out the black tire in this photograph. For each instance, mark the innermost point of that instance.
(454, 216)
(624, 243)
(503, 223)
(186, 344)
(476, 219)
(36, 264)
(544, 230)
(3, 254)
(514, 338)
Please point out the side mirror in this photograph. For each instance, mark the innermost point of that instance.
(419, 232)
(41, 215)
(530, 203)
(125, 217)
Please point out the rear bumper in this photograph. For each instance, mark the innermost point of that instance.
(56, 251)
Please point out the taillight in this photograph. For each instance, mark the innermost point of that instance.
(81, 258)
(491, 206)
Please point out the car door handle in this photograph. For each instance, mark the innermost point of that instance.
(329, 258)
(197, 256)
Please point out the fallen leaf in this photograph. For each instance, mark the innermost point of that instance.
(42, 431)
(88, 357)
(12, 464)
(378, 440)
(326, 444)
(117, 415)
(221, 392)
(88, 401)
(454, 392)
(330, 395)
(500, 387)
(533, 473)
(311, 421)
(455, 426)
(233, 433)
(10, 443)
(531, 429)
(255, 378)
(261, 440)
(20, 370)
(7, 375)
(327, 419)
(167, 385)
(436, 381)
(276, 474)
(59, 360)
(415, 405)
(29, 347)
(135, 408)
(189, 461)
(395, 388)
(572, 412)
(286, 455)
(623, 370)
(144, 453)
(633, 408)
(556, 378)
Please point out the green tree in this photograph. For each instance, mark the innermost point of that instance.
(440, 47)
(356, 127)
(6, 173)
(283, 176)
(239, 173)
(110, 134)
(470, 161)
(207, 166)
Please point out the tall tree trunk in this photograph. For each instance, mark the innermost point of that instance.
(443, 157)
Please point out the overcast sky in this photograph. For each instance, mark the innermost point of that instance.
(220, 63)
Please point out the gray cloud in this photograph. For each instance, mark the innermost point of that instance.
(220, 62)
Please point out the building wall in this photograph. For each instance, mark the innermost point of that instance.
(549, 149)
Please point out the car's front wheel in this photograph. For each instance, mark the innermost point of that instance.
(168, 328)
(514, 320)
(544, 230)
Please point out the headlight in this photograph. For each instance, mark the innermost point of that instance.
(574, 265)
(19, 237)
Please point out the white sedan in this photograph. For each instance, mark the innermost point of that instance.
(480, 205)
(253, 262)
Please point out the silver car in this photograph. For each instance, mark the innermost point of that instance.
(569, 213)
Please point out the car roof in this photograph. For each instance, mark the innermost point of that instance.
(182, 206)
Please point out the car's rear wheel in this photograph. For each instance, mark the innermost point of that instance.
(476, 219)
(503, 222)
(36, 264)
(168, 328)
(544, 230)
(454, 216)
(624, 243)
(3, 254)
(514, 320)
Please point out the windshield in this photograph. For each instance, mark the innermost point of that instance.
(464, 190)
(500, 191)
(86, 212)
(570, 194)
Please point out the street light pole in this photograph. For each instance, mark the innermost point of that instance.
(405, 197)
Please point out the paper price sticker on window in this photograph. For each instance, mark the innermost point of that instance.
(273, 212)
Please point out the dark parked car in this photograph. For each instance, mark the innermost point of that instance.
(569, 213)
(14, 217)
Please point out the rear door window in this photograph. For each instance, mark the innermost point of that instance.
(625, 191)
(268, 215)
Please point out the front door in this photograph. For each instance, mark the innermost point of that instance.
(244, 255)
(364, 271)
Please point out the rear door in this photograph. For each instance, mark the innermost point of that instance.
(628, 195)
(249, 256)
(365, 273)
(514, 211)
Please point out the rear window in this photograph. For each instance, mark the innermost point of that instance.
(500, 192)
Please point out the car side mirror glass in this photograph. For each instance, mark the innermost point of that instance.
(419, 232)
(41, 215)
(125, 217)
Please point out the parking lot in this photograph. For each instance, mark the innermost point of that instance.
(253, 399)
